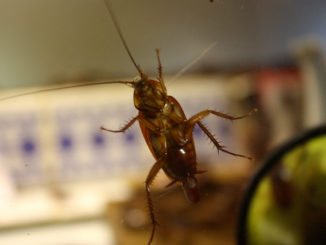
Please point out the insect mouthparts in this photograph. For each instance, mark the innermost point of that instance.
(136, 79)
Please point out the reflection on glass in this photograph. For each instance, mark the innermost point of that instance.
(289, 206)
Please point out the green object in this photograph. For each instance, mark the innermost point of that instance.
(289, 205)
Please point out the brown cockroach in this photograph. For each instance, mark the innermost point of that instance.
(166, 129)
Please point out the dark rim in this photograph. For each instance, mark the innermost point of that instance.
(262, 171)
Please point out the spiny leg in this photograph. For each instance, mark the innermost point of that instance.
(160, 76)
(190, 123)
(150, 177)
(218, 146)
(171, 183)
(200, 115)
(128, 125)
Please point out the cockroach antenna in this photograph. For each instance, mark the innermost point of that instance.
(117, 27)
(192, 62)
(79, 85)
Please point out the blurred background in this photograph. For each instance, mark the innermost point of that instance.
(63, 181)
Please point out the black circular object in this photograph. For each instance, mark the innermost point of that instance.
(271, 161)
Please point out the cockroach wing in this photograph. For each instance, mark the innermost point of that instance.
(178, 109)
(147, 137)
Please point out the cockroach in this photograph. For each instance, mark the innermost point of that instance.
(165, 127)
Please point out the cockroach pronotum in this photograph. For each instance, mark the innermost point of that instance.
(166, 130)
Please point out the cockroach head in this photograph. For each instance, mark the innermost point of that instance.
(149, 96)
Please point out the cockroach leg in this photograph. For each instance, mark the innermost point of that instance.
(201, 171)
(200, 115)
(149, 125)
(171, 183)
(150, 177)
(190, 123)
(217, 145)
(128, 125)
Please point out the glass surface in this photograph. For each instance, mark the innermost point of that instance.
(63, 178)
